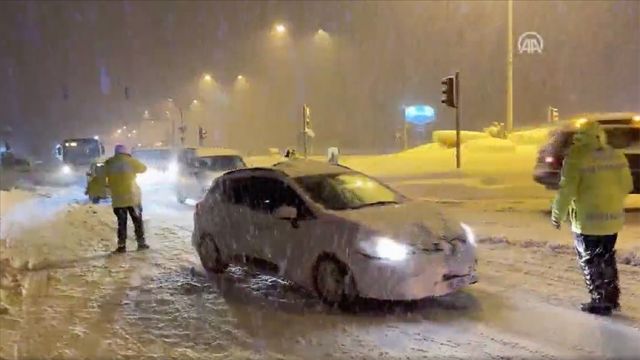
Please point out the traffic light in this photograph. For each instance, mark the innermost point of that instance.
(306, 113)
(553, 115)
(449, 91)
(202, 133)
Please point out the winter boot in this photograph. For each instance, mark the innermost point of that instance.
(120, 250)
(593, 270)
(143, 247)
(611, 286)
(596, 308)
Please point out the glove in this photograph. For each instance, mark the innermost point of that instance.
(556, 223)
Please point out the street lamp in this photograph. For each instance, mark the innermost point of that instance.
(322, 33)
(240, 77)
(207, 77)
(280, 28)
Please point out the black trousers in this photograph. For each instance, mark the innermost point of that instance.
(597, 258)
(136, 217)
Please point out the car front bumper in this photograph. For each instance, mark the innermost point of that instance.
(418, 276)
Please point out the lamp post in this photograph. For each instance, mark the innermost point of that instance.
(509, 66)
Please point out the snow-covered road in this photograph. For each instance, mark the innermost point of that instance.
(160, 304)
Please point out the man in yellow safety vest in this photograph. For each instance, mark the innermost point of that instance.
(595, 181)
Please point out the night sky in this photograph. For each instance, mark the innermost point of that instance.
(64, 66)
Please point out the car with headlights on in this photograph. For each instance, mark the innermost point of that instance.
(333, 230)
(200, 167)
(622, 132)
(161, 159)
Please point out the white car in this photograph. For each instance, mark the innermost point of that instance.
(199, 167)
(333, 230)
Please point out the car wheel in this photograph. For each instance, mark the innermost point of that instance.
(210, 255)
(94, 200)
(334, 282)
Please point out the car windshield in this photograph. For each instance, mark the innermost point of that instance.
(347, 191)
(81, 150)
(220, 163)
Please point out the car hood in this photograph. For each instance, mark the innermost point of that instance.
(414, 222)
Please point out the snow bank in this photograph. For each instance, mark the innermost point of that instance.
(448, 137)
(530, 137)
(489, 146)
(9, 199)
(425, 149)
(78, 231)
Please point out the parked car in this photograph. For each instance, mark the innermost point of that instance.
(623, 133)
(333, 230)
(199, 167)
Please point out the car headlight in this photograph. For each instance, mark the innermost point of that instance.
(66, 169)
(173, 168)
(385, 248)
(468, 232)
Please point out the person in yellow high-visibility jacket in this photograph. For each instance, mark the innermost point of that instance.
(595, 181)
(120, 171)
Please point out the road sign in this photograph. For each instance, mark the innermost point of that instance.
(419, 114)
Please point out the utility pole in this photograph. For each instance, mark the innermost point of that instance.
(509, 66)
(405, 136)
(457, 97)
(306, 128)
(183, 128)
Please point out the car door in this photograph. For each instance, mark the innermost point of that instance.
(237, 226)
(279, 241)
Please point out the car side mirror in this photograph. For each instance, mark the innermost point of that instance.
(286, 213)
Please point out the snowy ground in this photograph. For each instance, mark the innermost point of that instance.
(79, 301)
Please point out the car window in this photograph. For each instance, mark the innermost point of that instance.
(562, 140)
(347, 191)
(220, 163)
(623, 137)
(263, 194)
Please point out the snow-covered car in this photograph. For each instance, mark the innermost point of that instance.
(200, 167)
(623, 133)
(334, 231)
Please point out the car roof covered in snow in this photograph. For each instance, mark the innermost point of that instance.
(612, 119)
(606, 116)
(214, 151)
(302, 167)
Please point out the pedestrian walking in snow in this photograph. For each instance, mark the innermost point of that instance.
(120, 172)
(595, 181)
